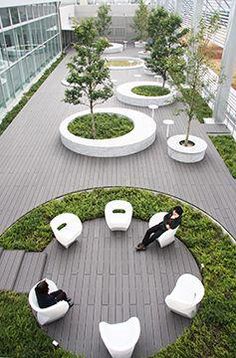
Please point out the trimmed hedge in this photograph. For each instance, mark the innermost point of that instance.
(212, 332)
(226, 146)
(26, 97)
(108, 125)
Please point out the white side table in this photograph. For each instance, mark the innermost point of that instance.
(153, 107)
(125, 44)
(168, 123)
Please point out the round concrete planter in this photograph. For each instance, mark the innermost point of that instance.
(144, 54)
(113, 48)
(186, 154)
(141, 137)
(125, 95)
(140, 44)
(148, 72)
(140, 63)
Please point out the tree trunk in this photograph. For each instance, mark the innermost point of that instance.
(93, 120)
(187, 134)
(164, 80)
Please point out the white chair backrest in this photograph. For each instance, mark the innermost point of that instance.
(32, 294)
(118, 205)
(65, 218)
(190, 288)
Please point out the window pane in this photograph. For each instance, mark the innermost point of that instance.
(29, 12)
(2, 101)
(30, 65)
(22, 11)
(10, 45)
(16, 78)
(40, 10)
(5, 17)
(3, 54)
(27, 39)
(24, 71)
(7, 85)
(14, 15)
(35, 11)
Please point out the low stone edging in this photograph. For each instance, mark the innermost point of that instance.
(125, 95)
(141, 137)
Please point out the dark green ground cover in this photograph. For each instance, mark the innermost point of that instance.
(149, 91)
(226, 146)
(204, 111)
(26, 97)
(212, 332)
(108, 125)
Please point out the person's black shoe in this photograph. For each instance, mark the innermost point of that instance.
(140, 247)
(71, 304)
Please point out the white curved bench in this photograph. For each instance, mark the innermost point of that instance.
(113, 48)
(141, 137)
(125, 95)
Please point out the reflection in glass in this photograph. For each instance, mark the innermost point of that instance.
(4, 13)
(14, 15)
(29, 12)
(22, 12)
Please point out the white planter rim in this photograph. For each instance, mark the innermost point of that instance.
(200, 144)
(140, 63)
(114, 48)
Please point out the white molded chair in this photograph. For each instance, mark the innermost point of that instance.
(49, 314)
(186, 295)
(168, 236)
(118, 221)
(120, 338)
(70, 232)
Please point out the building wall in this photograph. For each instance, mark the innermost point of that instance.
(29, 42)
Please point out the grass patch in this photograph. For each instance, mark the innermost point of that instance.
(226, 146)
(212, 332)
(150, 91)
(108, 125)
(20, 334)
(26, 97)
(205, 111)
(122, 63)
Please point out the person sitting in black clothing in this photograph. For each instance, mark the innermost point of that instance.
(170, 221)
(46, 299)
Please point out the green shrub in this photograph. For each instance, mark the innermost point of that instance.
(212, 332)
(205, 111)
(153, 91)
(26, 97)
(108, 125)
(226, 146)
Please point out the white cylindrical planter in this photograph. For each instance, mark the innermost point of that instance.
(186, 154)
(141, 137)
(113, 48)
(140, 44)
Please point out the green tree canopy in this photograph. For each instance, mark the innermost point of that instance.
(166, 43)
(140, 21)
(103, 20)
(88, 74)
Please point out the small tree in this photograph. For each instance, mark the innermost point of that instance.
(140, 21)
(103, 20)
(166, 45)
(196, 68)
(88, 73)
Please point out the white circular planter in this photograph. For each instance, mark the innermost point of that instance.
(148, 72)
(141, 137)
(140, 44)
(144, 54)
(114, 48)
(65, 83)
(125, 95)
(186, 154)
(139, 64)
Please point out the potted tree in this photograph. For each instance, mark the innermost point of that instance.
(89, 76)
(185, 147)
(166, 43)
(140, 23)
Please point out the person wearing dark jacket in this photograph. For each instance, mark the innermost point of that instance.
(46, 299)
(170, 221)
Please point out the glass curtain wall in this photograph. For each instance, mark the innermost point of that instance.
(29, 41)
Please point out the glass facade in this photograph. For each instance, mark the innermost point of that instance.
(29, 41)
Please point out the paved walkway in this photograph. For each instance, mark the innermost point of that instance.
(35, 167)
(108, 280)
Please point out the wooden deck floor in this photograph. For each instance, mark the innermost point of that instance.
(108, 280)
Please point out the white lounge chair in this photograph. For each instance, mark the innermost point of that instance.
(186, 295)
(120, 338)
(49, 314)
(69, 232)
(168, 236)
(118, 221)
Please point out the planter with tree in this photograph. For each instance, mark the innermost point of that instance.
(185, 147)
(140, 23)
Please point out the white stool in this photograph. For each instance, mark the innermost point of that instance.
(168, 123)
(153, 107)
(125, 44)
